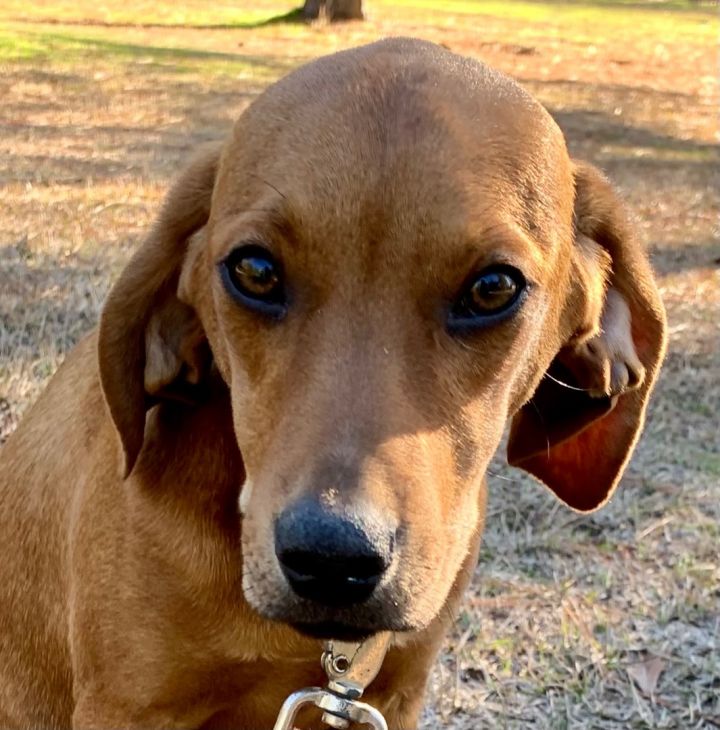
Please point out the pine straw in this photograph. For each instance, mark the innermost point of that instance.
(568, 614)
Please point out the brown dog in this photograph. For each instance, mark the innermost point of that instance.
(309, 364)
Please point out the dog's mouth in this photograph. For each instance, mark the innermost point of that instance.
(334, 630)
(382, 612)
(348, 624)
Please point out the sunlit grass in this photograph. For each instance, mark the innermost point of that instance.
(99, 45)
(60, 32)
(675, 18)
(142, 12)
(586, 21)
(18, 46)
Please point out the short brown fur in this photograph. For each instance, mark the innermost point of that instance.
(133, 594)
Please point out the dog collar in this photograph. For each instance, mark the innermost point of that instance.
(350, 667)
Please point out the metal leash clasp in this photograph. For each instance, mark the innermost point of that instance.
(350, 667)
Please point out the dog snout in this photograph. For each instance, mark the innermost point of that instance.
(331, 559)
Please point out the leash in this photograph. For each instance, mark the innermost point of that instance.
(350, 667)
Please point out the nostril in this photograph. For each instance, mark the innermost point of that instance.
(331, 581)
(351, 567)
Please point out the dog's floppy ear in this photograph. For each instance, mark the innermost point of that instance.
(577, 432)
(150, 344)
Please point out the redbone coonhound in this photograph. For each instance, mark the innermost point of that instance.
(279, 431)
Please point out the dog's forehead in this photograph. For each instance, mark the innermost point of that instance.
(400, 130)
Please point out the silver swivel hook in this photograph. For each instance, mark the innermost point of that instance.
(350, 667)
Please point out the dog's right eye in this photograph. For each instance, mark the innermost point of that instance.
(489, 297)
(251, 275)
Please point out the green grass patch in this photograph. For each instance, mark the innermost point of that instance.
(21, 47)
(709, 462)
(671, 19)
(189, 13)
(94, 46)
(598, 19)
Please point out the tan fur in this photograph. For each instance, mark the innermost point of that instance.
(132, 592)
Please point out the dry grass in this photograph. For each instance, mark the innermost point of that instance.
(572, 618)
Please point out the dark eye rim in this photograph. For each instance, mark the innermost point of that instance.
(459, 322)
(273, 308)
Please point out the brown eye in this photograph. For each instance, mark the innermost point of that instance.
(492, 291)
(253, 276)
(488, 296)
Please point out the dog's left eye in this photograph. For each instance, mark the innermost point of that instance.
(252, 275)
(488, 297)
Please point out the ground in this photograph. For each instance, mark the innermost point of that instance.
(604, 621)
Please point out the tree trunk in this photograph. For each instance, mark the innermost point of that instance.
(333, 9)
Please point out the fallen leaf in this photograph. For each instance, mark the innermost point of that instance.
(645, 674)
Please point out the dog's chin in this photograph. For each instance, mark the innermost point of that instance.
(334, 630)
(343, 625)
(352, 623)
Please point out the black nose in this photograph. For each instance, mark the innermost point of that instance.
(329, 558)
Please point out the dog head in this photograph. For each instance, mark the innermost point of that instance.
(393, 256)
